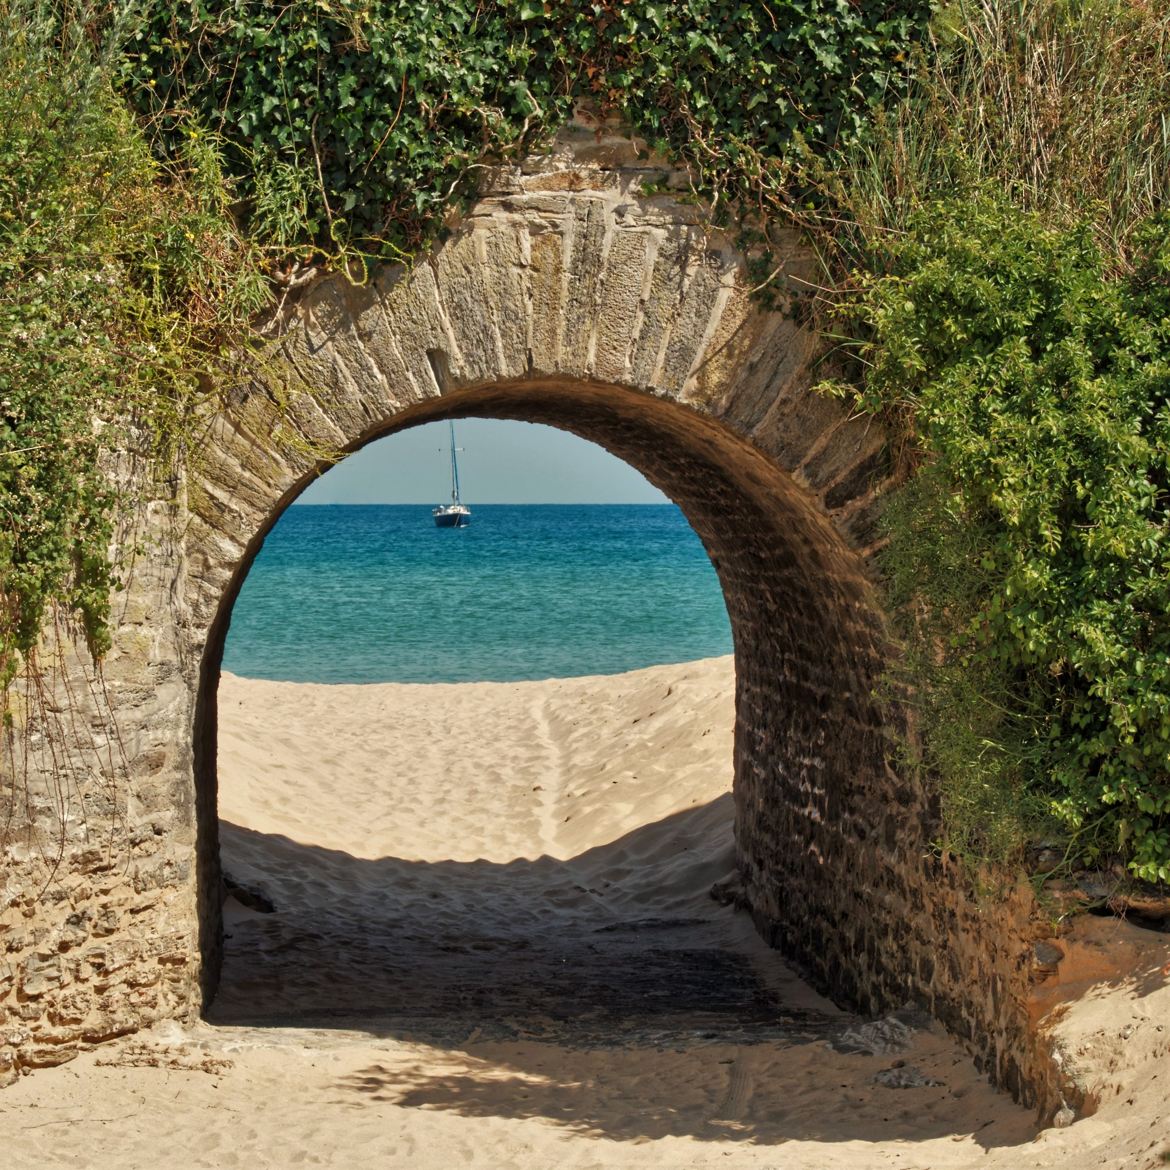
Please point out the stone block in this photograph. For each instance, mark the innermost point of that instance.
(664, 293)
(414, 318)
(588, 229)
(697, 317)
(69, 1009)
(41, 975)
(463, 280)
(48, 1055)
(546, 283)
(627, 271)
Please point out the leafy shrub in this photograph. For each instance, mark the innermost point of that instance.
(1030, 559)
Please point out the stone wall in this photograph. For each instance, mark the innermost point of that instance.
(566, 296)
(97, 828)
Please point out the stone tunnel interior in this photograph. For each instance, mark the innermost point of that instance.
(809, 750)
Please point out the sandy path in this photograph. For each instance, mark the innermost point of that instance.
(494, 947)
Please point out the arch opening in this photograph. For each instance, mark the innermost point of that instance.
(805, 636)
(450, 856)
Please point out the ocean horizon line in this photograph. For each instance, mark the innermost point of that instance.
(490, 504)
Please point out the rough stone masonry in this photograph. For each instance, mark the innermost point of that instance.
(585, 289)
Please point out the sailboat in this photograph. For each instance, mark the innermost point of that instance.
(456, 514)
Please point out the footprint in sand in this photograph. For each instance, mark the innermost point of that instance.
(738, 1094)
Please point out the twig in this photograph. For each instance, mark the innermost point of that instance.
(79, 1120)
(320, 172)
(389, 129)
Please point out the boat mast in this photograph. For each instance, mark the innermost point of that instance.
(454, 466)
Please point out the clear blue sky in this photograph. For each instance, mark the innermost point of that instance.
(501, 462)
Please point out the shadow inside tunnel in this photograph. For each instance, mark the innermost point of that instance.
(605, 993)
(620, 936)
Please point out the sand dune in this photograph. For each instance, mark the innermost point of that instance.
(463, 771)
(492, 946)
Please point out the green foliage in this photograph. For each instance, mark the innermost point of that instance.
(347, 125)
(1030, 559)
(1023, 358)
(978, 726)
(1063, 105)
(1014, 317)
(114, 278)
(350, 125)
(331, 129)
(741, 89)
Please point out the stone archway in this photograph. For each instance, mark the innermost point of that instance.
(566, 297)
(571, 293)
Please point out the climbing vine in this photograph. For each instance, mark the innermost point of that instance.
(352, 125)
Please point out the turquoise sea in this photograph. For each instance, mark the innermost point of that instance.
(376, 593)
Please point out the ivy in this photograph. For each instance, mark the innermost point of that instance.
(351, 125)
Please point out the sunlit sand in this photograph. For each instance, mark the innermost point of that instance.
(492, 944)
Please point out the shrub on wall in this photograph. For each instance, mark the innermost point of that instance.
(1004, 220)
(1029, 557)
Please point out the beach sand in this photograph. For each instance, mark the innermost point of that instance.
(491, 944)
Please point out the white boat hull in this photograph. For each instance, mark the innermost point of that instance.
(451, 516)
